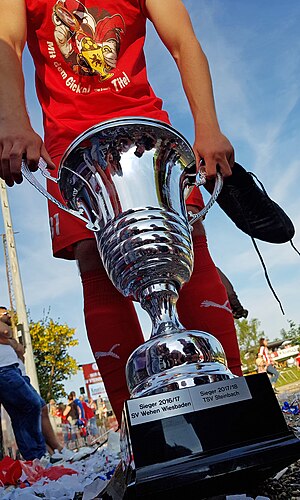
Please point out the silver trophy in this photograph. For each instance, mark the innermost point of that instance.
(128, 179)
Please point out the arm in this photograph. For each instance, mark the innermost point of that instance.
(237, 309)
(6, 337)
(5, 330)
(262, 353)
(17, 137)
(174, 27)
(66, 411)
(79, 409)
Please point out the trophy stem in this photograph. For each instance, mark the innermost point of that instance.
(159, 300)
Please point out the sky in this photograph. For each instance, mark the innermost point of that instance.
(253, 50)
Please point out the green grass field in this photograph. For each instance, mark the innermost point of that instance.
(288, 376)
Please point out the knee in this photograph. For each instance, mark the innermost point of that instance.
(33, 406)
(87, 255)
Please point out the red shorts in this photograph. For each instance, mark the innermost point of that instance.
(66, 230)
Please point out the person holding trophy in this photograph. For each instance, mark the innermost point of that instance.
(90, 68)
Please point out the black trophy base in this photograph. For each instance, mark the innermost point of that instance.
(237, 439)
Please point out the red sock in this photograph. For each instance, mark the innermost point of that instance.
(113, 331)
(203, 304)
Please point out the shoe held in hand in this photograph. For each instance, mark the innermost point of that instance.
(251, 209)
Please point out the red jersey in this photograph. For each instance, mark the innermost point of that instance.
(90, 65)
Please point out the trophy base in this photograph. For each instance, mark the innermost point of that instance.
(215, 439)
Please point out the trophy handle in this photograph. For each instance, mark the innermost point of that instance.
(200, 180)
(93, 226)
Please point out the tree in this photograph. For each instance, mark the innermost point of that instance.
(50, 343)
(293, 333)
(248, 334)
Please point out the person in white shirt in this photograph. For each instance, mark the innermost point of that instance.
(267, 357)
(20, 399)
(54, 447)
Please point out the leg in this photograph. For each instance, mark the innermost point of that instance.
(22, 403)
(203, 302)
(111, 321)
(47, 429)
(274, 374)
(48, 432)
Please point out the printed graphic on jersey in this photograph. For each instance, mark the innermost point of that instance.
(88, 39)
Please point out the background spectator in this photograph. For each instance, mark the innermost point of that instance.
(269, 362)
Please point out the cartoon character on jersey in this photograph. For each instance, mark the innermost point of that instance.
(91, 46)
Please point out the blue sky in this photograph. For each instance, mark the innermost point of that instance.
(254, 51)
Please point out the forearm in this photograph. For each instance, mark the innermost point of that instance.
(196, 79)
(5, 332)
(175, 29)
(13, 34)
(7, 341)
(12, 97)
(17, 137)
(66, 411)
(4, 340)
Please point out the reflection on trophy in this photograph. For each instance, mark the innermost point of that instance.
(190, 424)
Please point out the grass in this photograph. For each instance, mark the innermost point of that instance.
(288, 376)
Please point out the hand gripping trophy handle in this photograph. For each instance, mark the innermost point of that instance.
(35, 183)
(128, 179)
